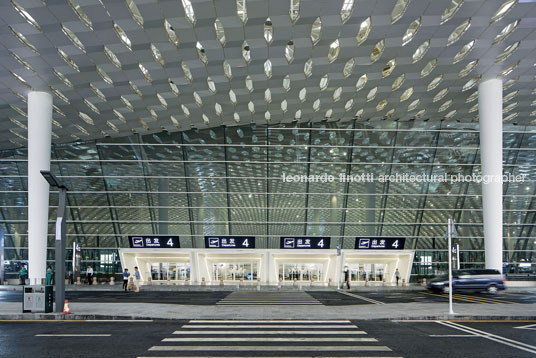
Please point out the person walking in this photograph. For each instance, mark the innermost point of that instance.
(89, 274)
(23, 273)
(347, 277)
(126, 274)
(397, 276)
(137, 277)
(49, 276)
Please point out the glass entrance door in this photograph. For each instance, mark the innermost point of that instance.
(367, 272)
(163, 271)
(234, 271)
(301, 272)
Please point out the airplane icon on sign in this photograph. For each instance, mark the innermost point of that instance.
(137, 242)
(213, 243)
(289, 243)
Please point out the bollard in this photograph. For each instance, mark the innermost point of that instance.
(94, 279)
(311, 284)
(112, 281)
(424, 282)
(295, 283)
(366, 282)
(383, 282)
(130, 285)
(187, 282)
(241, 282)
(149, 281)
(279, 284)
(403, 282)
(329, 282)
(221, 282)
(203, 282)
(258, 284)
(78, 281)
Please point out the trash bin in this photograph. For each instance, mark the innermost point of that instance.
(38, 298)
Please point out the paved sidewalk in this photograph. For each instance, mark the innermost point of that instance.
(12, 310)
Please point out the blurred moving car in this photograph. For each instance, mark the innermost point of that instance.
(475, 280)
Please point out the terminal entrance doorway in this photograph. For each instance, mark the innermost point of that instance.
(234, 271)
(367, 272)
(301, 272)
(170, 271)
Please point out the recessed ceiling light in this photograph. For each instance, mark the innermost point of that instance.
(189, 11)
(467, 69)
(508, 51)
(135, 89)
(361, 82)
(122, 36)
(268, 69)
(377, 51)
(157, 55)
(23, 39)
(503, 10)
(468, 47)
(316, 30)
(294, 10)
(451, 10)
(29, 19)
(364, 30)
(435, 82)
(308, 68)
(227, 70)
(412, 30)
(220, 32)
(346, 10)
(112, 57)
(172, 35)
(242, 11)
(68, 60)
(334, 49)
(201, 53)
(21, 61)
(289, 52)
(81, 14)
(398, 82)
(286, 83)
(429, 67)
(420, 51)
(458, 32)
(507, 70)
(506, 32)
(135, 12)
(389, 68)
(232, 97)
(372, 94)
(398, 10)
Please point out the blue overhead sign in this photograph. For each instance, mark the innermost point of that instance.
(230, 242)
(154, 241)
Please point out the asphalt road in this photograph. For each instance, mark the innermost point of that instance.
(283, 338)
(327, 298)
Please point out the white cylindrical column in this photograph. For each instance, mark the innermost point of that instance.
(491, 144)
(39, 137)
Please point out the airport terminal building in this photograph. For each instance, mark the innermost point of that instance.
(271, 141)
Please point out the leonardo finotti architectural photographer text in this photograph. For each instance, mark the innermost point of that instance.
(402, 178)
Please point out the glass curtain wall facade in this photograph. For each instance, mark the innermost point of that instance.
(229, 181)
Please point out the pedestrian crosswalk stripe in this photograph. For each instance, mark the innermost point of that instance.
(271, 339)
(270, 332)
(269, 326)
(271, 348)
(269, 298)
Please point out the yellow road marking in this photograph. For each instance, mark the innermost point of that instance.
(467, 299)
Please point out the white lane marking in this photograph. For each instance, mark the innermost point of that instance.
(492, 337)
(454, 335)
(530, 326)
(73, 335)
(265, 321)
(118, 320)
(413, 321)
(270, 339)
(268, 326)
(270, 332)
(250, 356)
(271, 348)
(370, 300)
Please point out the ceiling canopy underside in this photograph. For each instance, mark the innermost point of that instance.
(121, 66)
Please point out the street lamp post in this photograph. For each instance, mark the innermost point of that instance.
(59, 279)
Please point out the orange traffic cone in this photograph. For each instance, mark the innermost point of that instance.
(66, 309)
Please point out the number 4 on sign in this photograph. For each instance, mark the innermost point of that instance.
(321, 243)
(395, 244)
(170, 242)
(245, 243)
